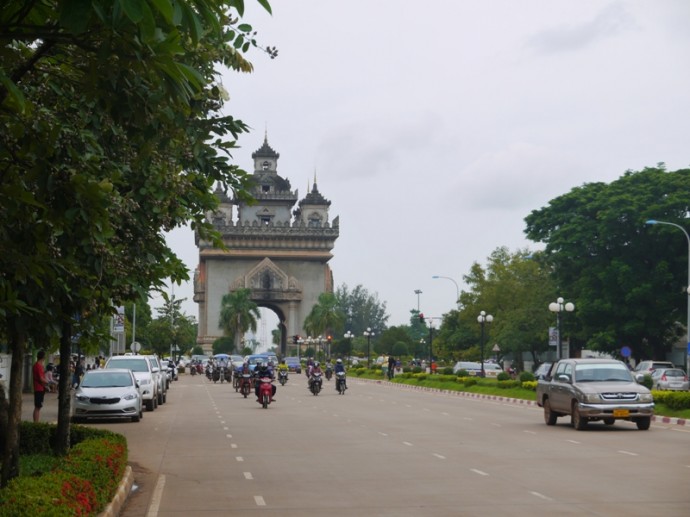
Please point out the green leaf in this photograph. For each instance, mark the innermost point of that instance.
(75, 15)
(165, 8)
(244, 27)
(133, 9)
(266, 5)
(15, 98)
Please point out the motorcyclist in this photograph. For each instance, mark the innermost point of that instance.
(282, 367)
(314, 370)
(260, 372)
(339, 367)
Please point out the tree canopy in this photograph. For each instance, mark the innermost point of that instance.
(628, 279)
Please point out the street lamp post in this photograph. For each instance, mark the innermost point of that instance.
(368, 333)
(349, 335)
(482, 319)
(417, 292)
(457, 288)
(687, 357)
(558, 306)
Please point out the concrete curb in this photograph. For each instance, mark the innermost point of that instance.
(115, 506)
(496, 398)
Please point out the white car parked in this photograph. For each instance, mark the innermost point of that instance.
(143, 372)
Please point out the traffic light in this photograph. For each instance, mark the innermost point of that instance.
(421, 318)
(295, 339)
(330, 338)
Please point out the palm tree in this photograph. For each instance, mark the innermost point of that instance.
(325, 316)
(238, 314)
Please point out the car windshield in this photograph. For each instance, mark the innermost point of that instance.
(609, 372)
(673, 373)
(136, 365)
(106, 380)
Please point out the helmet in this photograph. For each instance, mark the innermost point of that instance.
(259, 364)
(339, 361)
(316, 364)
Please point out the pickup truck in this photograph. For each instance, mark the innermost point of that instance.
(594, 389)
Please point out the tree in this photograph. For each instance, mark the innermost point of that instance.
(111, 137)
(627, 280)
(325, 317)
(392, 337)
(362, 309)
(238, 314)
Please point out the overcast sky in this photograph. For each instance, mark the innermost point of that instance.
(436, 127)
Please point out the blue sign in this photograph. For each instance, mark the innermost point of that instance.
(626, 352)
(688, 348)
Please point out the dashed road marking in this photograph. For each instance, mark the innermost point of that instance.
(239, 458)
(259, 500)
(233, 446)
(408, 444)
(480, 472)
(248, 475)
(629, 453)
(541, 496)
(157, 497)
(528, 432)
(574, 441)
(228, 435)
(445, 414)
(439, 456)
(383, 434)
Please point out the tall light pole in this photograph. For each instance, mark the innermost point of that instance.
(483, 318)
(417, 292)
(558, 306)
(368, 333)
(349, 335)
(457, 287)
(687, 357)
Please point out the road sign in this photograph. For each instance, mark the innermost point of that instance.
(626, 352)
(553, 336)
(135, 346)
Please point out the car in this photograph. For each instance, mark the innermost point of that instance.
(143, 373)
(264, 358)
(293, 364)
(647, 367)
(237, 361)
(475, 369)
(107, 393)
(161, 377)
(670, 379)
(594, 389)
(542, 370)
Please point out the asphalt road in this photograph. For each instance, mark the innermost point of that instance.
(381, 450)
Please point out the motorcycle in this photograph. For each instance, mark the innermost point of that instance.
(265, 391)
(246, 384)
(236, 380)
(227, 374)
(340, 384)
(315, 385)
(192, 369)
(329, 372)
(199, 368)
(215, 375)
(282, 377)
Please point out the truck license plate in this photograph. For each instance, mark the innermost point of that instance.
(621, 413)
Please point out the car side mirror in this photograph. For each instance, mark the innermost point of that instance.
(155, 370)
(639, 378)
(564, 378)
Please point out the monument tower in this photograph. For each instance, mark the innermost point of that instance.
(278, 250)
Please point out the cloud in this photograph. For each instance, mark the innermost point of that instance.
(609, 22)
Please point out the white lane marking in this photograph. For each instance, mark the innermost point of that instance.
(445, 414)
(248, 475)
(480, 472)
(680, 430)
(157, 497)
(408, 444)
(239, 458)
(225, 428)
(629, 453)
(440, 457)
(528, 432)
(427, 409)
(495, 424)
(259, 500)
(228, 435)
(541, 496)
(467, 418)
(223, 423)
(574, 441)
(383, 434)
(233, 446)
(408, 405)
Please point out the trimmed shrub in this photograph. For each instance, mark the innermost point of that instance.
(417, 369)
(527, 377)
(508, 384)
(647, 381)
(448, 370)
(463, 373)
(503, 376)
(673, 399)
(469, 381)
(529, 385)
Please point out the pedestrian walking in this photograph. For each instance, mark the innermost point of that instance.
(40, 383)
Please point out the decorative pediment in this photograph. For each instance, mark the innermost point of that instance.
(266, 276)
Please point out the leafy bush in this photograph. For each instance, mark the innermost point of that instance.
(527, 377)
(508, 384)
(503, 376)
(463, 373)
(469, 381)
(448, 370)
(673, 399)
(417, 369)
(529, 385)
(81, 483)
(420, 376)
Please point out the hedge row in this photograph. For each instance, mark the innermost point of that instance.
(82, 483)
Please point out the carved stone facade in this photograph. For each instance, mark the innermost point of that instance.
(279, 253)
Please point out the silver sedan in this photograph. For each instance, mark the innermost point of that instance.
(108, 393)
